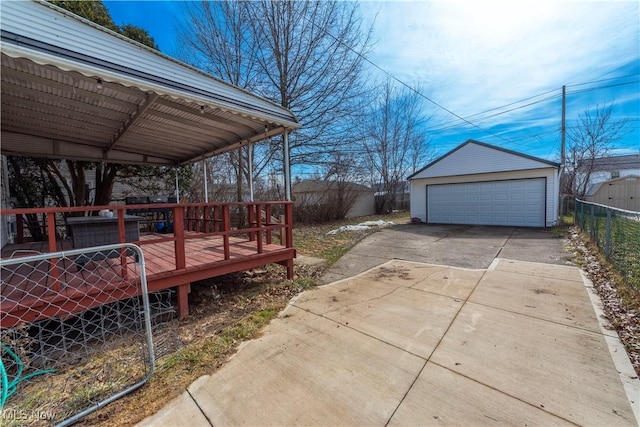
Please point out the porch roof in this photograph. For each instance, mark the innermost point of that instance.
(72, 89)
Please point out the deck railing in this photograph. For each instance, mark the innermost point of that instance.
(251, 220)
(208, 239)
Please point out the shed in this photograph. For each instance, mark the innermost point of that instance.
(621, 193)
(481, 184)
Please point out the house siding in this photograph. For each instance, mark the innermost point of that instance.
(419, 193)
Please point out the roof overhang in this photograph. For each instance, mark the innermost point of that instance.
(74, 90)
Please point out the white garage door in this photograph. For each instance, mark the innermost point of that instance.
(515, 202)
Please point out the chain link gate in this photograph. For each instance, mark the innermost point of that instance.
(75, 333)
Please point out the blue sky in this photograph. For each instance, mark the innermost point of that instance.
(470, 57)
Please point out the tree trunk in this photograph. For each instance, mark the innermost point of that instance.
(105, 178)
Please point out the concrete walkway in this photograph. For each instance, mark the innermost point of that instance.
(416, 343)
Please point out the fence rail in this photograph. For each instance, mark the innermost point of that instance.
(84, 355)
(617, 234)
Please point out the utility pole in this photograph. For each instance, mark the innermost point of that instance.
(563, 129)
(563, 157)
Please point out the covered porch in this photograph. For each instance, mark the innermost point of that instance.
(74, 90)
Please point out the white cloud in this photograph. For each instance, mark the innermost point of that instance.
(475, 55)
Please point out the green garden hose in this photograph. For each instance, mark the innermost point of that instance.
(10, 387)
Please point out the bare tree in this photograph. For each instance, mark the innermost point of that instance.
(217, 39)
(592, 137)
(305, 56)
(395, 141)
(311, 61)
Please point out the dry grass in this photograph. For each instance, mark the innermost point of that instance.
(244, 304)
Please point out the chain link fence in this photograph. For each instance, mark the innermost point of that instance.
(75, 333)
(617, 234)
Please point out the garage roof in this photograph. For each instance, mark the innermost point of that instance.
(475, 157)
(75, 90)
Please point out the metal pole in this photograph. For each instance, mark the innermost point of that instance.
(607, 240)
(287, 168)
(206, 186)
(250, 155)
(177, 188)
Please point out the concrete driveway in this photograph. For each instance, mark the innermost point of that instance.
(429, 326)
(455, 245)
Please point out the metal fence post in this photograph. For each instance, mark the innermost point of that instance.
(607, 244)
(592, 222)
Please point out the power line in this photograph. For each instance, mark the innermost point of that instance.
(406, 85)
(602, 87)
(466, 119)
(534, 103)
(502, 112)
(508, 105)
(604, 80)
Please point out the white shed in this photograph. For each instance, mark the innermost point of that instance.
(480, 184)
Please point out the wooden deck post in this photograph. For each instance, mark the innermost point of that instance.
(226, 228)
(267, 221)
(122, 238)
(290, 273)
(51, 231)
(183, 300)
(251, 208)
(283, 230)
(19, 229)
(288, 216)
(259, 227)
(53, 263)
(178, 233)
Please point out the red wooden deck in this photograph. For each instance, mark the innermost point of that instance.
(206, 246)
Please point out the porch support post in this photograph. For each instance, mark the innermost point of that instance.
(287, 167)
(250, 155)
(206, 185)
(177, 187)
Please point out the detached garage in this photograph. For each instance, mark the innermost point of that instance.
(480, 184)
